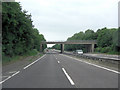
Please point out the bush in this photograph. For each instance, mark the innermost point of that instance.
(102, 50)
(98, 49)
(32, 52)
(107, 49)
(6, 59)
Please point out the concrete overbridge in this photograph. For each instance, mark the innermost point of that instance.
(62, 43)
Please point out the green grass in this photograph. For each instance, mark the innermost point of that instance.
(41, 54)
(111, 53)
(31, 60)
(114, 53)
(7, 59)
(32, 53)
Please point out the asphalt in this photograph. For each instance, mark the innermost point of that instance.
(48, 73)
(88, 76)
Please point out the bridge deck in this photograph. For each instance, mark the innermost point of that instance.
(71, 42)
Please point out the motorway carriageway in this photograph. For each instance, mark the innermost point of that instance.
(55, 70)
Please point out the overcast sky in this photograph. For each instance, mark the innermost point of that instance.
(60, 19)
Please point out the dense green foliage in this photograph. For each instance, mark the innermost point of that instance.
(107, 40)
(7, 59)
(57, 46)
(18, 33)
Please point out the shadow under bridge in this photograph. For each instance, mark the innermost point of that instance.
(62, 43)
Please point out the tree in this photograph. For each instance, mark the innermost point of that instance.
(107, 40)
(19, 35)
(105, 37)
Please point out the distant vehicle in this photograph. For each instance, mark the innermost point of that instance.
(78, 52)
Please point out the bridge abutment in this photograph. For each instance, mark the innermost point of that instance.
(62, 48)
(92, 48)
(40, 47)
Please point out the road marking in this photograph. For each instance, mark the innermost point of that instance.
(94, 65)
(12, 71)
(58, 61)
(69, 78)
(9, 77)
(33, 62)
(5, 80)
(15, 73)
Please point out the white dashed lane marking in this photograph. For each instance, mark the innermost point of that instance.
(58, 61)
(9, 77)
(69, 78)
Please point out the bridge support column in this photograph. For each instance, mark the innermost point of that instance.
(89, 48)
(62, 48)
(40, 47)
(92, 48)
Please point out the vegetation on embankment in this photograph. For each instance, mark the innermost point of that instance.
(8, 60)
(19, 37)
(107, 40)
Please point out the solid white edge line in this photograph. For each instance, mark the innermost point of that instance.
(15, 73)
(33, 62)
(95, 65)
(69, 78)
(9, 77)
(5, 80)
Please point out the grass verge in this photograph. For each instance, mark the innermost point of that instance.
(8, 60)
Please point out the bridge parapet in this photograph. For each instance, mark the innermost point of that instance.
(82, 41)
(90, 42)
(71, 42)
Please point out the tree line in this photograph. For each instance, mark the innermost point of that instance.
(19, 36)
(107, 40)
